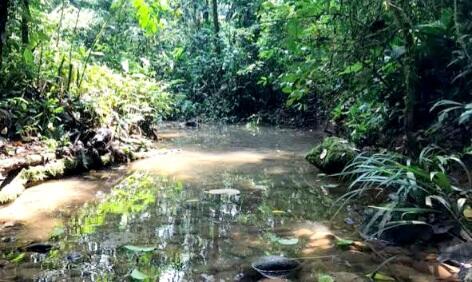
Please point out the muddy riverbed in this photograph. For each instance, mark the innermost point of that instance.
(209, 203)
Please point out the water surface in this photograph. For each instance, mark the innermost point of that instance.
(164, 220)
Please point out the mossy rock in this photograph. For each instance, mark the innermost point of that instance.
(332, 155)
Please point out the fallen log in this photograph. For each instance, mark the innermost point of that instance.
(17, 163)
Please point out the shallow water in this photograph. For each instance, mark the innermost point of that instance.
(164, 221)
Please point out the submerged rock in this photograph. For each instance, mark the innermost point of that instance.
(332, 155)
(74, 257)
(407, 234)
(41, 248)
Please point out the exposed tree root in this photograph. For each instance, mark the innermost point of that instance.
(36, 168)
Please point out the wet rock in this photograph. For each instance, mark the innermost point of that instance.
(3, 263)
(41, 248)
(332, 155)
(7, 239)
(248, 274)
(408, 234)
(460, 253)
(465, 274)
(74, 257)
(191, 123)
(102, 138)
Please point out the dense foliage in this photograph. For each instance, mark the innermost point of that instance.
(400, 68)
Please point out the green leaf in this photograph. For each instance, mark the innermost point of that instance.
(28, 56)
(354, 68)
(343, 243)
(378, 276)
(18, 258)
(139, 249)
(138, 275)
(287, 242)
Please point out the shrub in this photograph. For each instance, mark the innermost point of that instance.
(413, 188)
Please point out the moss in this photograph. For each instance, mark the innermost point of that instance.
(332, 155)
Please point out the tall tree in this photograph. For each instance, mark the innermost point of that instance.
(25, 19)
(3, 25)
(205, 12)
(404, 21)
(216, 24)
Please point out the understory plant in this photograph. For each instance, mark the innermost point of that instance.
(411, 191)
(122, 100)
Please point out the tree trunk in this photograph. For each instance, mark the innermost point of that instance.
(400, 10)
(196, 18)
(25, 19)
(3, 25)
(216, 24)
(206, 16)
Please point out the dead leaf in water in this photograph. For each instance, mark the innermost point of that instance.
(468, 213)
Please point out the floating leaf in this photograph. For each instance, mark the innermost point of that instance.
(192, 200)
(287, 242)
(138, 249)
(138, 275)
(278, 212)
(228, 191)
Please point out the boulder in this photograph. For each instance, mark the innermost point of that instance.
(332, 155)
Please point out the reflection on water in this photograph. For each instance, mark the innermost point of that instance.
(160, 223)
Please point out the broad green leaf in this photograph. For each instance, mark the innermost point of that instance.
(28, 56)
(354, 68)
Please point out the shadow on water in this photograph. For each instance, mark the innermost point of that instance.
(212, 202)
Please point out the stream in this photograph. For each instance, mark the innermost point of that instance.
(208, 204)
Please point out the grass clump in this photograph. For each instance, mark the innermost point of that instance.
(422, 191)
